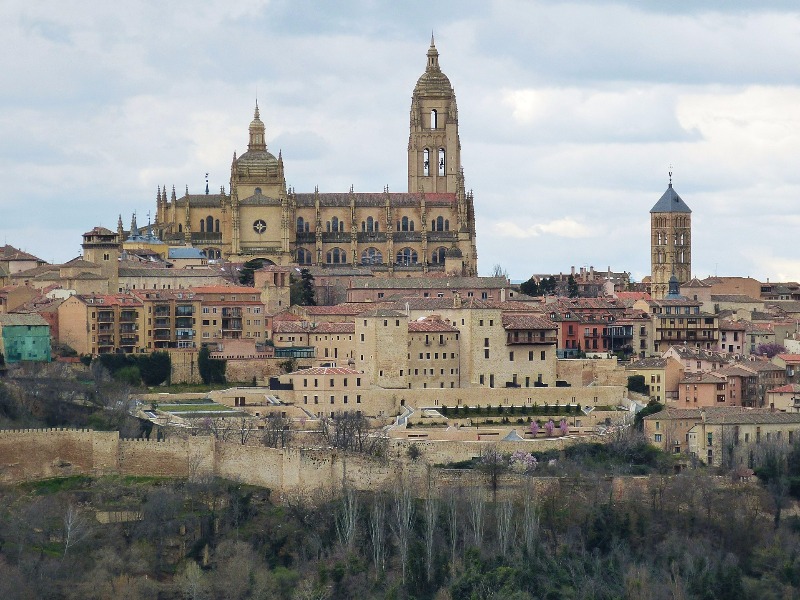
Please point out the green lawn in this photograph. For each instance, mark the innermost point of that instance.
(194, 407)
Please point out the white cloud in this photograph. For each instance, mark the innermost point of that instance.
(565, 227)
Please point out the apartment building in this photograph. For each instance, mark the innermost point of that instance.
(102, 323)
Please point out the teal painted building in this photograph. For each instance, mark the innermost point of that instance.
(24, 337)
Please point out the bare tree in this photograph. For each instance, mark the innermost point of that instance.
(347, 518)
(430, 515)
(475, 514)
(192, 582)
(352, 431)
(493, 464)
(452, 510)
(245, 426)
(530, 518)
(377, 533)
(221, 428)
(504, 513)
(772, 468)
(277, 431)
(403, 522)
(77, 526)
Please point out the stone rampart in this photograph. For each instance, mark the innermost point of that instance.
(29, 455)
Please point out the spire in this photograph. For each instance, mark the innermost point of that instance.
(433, 57)
(119, 227)
(134, 228)
(670, 176)
(173, 193)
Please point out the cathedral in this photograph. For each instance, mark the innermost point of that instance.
(430, 228)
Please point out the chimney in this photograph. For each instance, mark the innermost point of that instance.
(502, 294)
(457, 300)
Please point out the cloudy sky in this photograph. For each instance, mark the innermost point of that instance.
(570, 115)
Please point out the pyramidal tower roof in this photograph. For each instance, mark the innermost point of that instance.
(670, 202)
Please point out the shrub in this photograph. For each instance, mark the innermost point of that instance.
(129, 375)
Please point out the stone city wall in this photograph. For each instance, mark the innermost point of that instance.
(29, 455)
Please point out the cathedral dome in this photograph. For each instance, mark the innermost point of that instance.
(433, 82)
(257, 155)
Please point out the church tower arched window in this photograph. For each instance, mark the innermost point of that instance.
(441, 161)
(426, 162)
(438, 256)
(434, 119)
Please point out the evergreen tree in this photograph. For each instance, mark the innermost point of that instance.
(530, 288)
(155, 368)
(301, 289)
(572, 287)
(246, 276)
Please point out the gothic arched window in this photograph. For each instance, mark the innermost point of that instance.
(371, 256)
(303, 256)
(202, 225)
(434, 119)
(216, 225)
(337, 256)
(426, 162)
(441, 161)
(404, 224)
(438, 224)
(371, 224)
(334, 224)
(438, 255)
(406, 257)
(209, 224)
(300, 224)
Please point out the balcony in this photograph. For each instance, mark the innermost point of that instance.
(366, 237)
(336, 238)
(162, 335)
(407, 236)
(184, 311)
(231, 324)
(105, 328)
(128, 315)
(162, 311)
(530, 338)
(162, 324)
(128, 327)
(206, 237)
(306, 237)
(442, 236)
(184, 334)
(183, 322)
(105, 317)
(231, 312)
(130, 340)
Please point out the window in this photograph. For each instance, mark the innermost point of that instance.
(438, 256)
(259, 226)
(511, 356)
(426, 163)
(486, 353)
(407, 256)
(337, 256)
(434, 119)
(371, 256)
(302, 225)
(441, 162)
(658, 437)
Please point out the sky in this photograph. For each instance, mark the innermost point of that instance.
(571, 115)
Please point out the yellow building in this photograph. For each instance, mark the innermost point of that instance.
(429, 228)
(101, 323)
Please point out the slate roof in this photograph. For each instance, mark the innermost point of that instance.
(670, 202)
(185, 253)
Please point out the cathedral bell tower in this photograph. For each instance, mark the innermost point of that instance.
(434, 150)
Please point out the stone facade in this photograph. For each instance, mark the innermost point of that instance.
(429, 228)
(670, 242)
